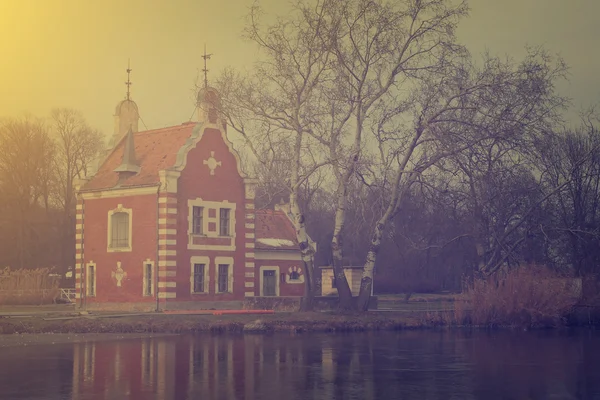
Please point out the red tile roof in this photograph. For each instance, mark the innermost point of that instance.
(276, 231)
(155, 150)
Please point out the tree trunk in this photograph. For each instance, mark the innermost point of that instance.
(306, 251)
(341, 283)
(366, 283)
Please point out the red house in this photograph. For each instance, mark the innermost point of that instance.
(168, 222)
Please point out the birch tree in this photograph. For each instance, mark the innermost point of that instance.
(274, 103)
(501, 101)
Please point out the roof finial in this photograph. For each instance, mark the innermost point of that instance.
(128, 83)
(206, 57)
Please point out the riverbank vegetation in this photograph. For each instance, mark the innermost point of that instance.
(28, 286)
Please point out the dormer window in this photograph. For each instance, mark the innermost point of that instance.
(119, 229)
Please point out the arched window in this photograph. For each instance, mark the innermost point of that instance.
(294, 276)
(119, 229)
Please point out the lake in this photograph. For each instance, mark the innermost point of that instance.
(380, 365)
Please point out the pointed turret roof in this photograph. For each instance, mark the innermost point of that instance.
(129, 163)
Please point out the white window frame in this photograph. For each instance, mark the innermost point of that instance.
(277, 279)
(144, 282)
(88, 293)
(119, 209)
(206, 220)
(228, 261)
(200, 260)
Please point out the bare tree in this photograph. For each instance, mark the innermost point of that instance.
(273, 104)
(502, 101)
(380, 49)
(26, 152)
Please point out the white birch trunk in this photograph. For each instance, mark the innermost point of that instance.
(306, 250)
(343, 288)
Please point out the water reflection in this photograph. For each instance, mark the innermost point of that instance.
(405, 365)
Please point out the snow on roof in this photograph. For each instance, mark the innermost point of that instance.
(275, 242)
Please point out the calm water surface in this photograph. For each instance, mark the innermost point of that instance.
(404, 365)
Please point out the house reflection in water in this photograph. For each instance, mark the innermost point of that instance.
(215, 367)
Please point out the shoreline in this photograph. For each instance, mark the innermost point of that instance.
(290, 322)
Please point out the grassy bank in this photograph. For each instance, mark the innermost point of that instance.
(160, 323)
(279, 322)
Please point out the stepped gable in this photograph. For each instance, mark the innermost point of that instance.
(155, 150)
(274, 231)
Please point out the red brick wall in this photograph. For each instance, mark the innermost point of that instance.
(144, 246)
(194, 182)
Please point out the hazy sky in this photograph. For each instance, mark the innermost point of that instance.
(73, 53)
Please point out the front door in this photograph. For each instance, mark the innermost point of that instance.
(269, 283)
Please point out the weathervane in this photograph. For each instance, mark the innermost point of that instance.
(128, 83)
(206, 57)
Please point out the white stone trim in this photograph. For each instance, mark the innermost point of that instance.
(200, 260)
(87, 279)
(250, 255)
(288, 275)
(79, 236)
(249, 274)
(167, 242)
(167, 295)
(152, 280)
(167, 253)
(167, 231)
(167, 263)
(168, 180)
(282, 255)
(250, 216)
(249, 245)
(206, 205)
(261, 278)
(249, 206)
(167, 274)
(196, 136)
(119, 209)
(249, 294)
(250, 235)
(249, 225)
(167, 284)
(79, 207)
(78, 226)
(105, 194)
(170, 211)
(228, 261)
(78, 246)
(249, 264)
(78, 216)
(249, 284)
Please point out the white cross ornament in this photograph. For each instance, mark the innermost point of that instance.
(212, 163)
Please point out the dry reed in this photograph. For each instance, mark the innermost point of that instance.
(528, 297)
(28, 286)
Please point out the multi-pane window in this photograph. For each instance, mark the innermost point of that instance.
(120, 230)
(294, 276)
(223, 278)
(224, 221)
(148, 279)
(197, 220)
(91, 287)
(199, 278)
